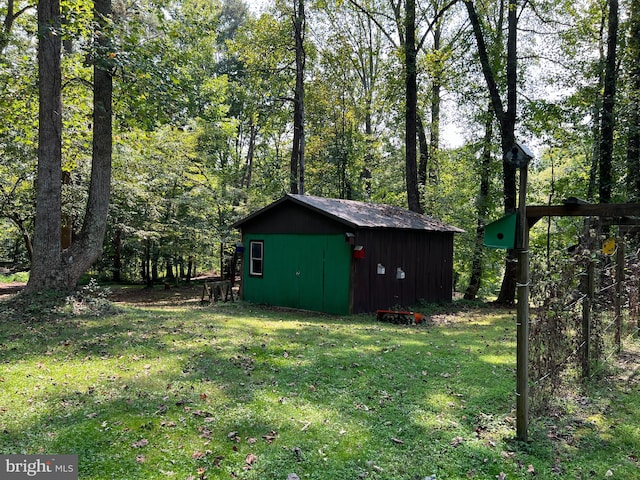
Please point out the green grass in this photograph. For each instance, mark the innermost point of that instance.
(237, 391)
(14, 277)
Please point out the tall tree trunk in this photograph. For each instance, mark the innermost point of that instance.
(608, 104)
(507, 121)
(88, 246)
(423, 164)
(411, 108)
(170, 275)
(596, 111)
(253, 132)
(508, 287)
(117, 254)
(633, 135)
(48, 220)
(53, 268)
(434, 143)
(297, 151)
(368, 77)
(482, 204)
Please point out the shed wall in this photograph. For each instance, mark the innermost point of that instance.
(426, 258)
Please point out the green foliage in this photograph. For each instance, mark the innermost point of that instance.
(203, 109)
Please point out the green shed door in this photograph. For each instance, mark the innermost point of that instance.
(302, 271)
(308, 275)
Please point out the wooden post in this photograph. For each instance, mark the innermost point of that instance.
(522, 321)
(587, 289)
(619, 288)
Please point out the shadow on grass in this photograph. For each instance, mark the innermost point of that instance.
(150, 393)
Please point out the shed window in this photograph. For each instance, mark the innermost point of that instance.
(256, 260)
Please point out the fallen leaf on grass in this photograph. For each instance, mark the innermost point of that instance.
(457, 441)
(233, 436)
(502, 476)
(531, 470)
(397, 440)
(249, 460)
(271, 436)
(140, 458)
(140, 443)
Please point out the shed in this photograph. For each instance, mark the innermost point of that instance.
(343, 256)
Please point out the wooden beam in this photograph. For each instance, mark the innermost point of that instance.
(606, 210)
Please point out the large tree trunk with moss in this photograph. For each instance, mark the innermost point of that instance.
(54, 268)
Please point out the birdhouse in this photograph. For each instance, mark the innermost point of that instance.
(519, 155)
(501, 233)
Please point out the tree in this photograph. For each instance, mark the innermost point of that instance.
(506, 117)
(299, 21)
(633, 135)
(482, 205)
(12, 13)
(411, 106)
(54, 268)
(18, 145)
(343, 104)
(405, 39)
(608, 104)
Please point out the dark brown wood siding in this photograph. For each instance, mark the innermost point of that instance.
(426, 259)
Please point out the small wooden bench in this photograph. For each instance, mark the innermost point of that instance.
(217, 290)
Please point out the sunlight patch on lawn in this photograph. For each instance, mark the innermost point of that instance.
(505, 359)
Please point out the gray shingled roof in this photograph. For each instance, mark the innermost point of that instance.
(366, 215)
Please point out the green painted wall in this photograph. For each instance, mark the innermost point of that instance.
(311, 272)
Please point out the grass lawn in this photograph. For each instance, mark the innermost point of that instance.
(176, 390)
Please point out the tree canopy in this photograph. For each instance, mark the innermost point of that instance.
(185, 115)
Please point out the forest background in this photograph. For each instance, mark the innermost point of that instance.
(220, 107)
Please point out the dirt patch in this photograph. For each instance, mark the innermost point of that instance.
(158, 295)
(10, 289)
(133, 295)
